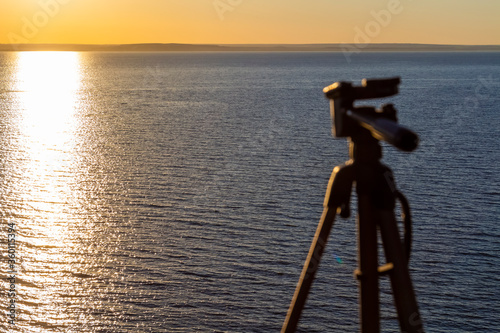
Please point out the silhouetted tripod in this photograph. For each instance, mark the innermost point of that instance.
(377, 195)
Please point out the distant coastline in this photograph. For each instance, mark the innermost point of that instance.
(174, 47)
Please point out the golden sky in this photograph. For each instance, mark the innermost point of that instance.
(250, 21)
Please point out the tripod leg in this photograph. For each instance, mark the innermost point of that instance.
(337, 195)
(368, 266)
(404, 296)
(309, 270)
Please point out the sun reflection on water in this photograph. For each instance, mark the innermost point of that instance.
(43, 154)
(48, 83)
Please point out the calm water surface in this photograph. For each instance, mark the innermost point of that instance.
(179, 192)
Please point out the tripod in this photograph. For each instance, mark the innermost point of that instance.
(377, 195)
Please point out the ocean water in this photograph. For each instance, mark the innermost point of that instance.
(179, 192)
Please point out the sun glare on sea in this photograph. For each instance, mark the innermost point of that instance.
(48, 81)
(47, 87)
(47, 84)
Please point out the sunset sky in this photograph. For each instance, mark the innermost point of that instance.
(250, 21)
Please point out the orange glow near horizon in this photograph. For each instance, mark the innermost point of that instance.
(249, 22)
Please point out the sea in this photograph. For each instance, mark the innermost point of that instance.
(180, 192)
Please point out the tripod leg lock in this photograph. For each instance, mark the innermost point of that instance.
(338, 193)
(382, 270)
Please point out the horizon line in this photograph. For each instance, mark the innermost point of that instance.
(238, 44)
(185, 47)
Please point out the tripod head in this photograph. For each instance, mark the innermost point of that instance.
(349, 120)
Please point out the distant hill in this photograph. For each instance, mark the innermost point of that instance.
(173, 47)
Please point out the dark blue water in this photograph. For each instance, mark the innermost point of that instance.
(179, 192)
